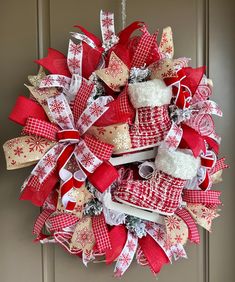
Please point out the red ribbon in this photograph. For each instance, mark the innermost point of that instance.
(193, 234)
(118, 237)
(55, 63)
(201, 197)
(25, 108)
(101, 234)
(153, 252)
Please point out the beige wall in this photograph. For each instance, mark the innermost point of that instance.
(204, 31)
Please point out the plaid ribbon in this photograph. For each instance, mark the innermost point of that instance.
(143, 49)
(102, 150)
(61, 221)
(101, 234)
(201, 197)
(40, 221)
(40, 128)
(219, 165)
(194, 235)
(80, 101)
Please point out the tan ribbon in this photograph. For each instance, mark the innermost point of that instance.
(176, 229)
(83, 237)
(25, 151)
(166, 46)
(116, 74)
(202, 215)
(116, 135)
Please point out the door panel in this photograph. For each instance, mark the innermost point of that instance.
(199, 33)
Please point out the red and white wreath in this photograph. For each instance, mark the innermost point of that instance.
(125, 148)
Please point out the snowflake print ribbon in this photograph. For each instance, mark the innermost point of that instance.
(107, 30)
(127, 255)
(69, 85)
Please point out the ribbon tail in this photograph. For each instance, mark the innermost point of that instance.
(126, 256)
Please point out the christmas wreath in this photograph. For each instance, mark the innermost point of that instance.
(125, 148)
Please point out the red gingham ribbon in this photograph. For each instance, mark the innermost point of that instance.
(61, 221)
(143, 49)
(41, 128)
(80, 101)
(193, 235)
(101, 233)
(201, 197)
(40, 221)
(102, 150)
(219, 165)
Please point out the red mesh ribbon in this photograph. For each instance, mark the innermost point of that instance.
(193, 235)
(120, 110)
(156, 257)
(55, 62)
(24, 108)
(101, 233)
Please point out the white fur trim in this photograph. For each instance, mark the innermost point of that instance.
(179, 164)
(151, 93)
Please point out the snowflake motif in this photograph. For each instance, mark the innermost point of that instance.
(159, 234)
(131, 246)
(121, 141)
(179, 253)
(101, 130)
(49, 160)
(118, 272)
(177, 130)
(208, 214)
(40, 172)
(62, 81)
(79, 149)
(85, 120)
(48, 81)
(57, 150)
(172, 141)
(87, 159)
(36, 143)
(63, 120)
(114, 67)
(178, 239)
(125, 259)
(75, 49)
(169, 49)
(107, 21)
(18, 151)
(148, 225)
(57, 106)
(96, 110)
(208, 107)
(74, 63)
(173, 223)
(167, 244)
(84, 237)
(44, 102)
(12, 143)
(115, 87)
